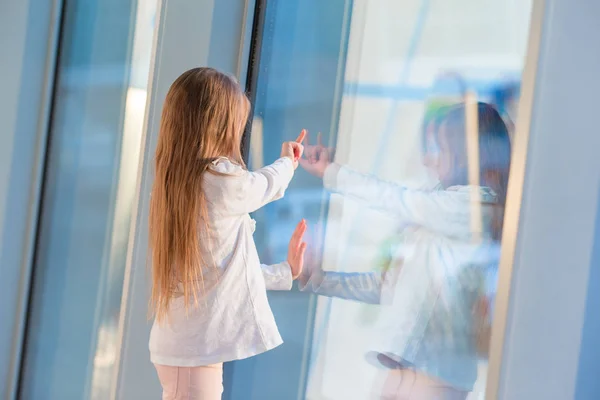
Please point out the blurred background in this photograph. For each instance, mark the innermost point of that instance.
(81, 89)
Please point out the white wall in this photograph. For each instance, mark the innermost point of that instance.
(545, 342)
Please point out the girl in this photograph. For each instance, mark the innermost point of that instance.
(208, 286)
(428, 334)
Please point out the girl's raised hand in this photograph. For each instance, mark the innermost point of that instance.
(296, 250)
(295, 149)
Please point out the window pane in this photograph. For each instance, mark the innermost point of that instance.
(90, 177)
(416, 102)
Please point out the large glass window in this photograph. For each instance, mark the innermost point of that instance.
(91, 169)
(416, 102)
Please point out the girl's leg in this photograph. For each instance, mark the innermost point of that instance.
(431, 389)
(393, 385)
(406, 384)
(206, 382)
(191, 383)
(169, 380)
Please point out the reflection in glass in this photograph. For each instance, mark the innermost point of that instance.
(416, 101)
(90, 182)
(430, 290)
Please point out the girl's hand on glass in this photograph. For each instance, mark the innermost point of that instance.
(296, 250)
(295, 149)
(317, 157)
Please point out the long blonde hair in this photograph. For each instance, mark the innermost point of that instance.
(203, 118)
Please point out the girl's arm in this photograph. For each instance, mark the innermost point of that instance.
(443, 211)
(248, 191)
(446, 212)
(265, 185)
(277, 276)
(244, 191)
(364, 287)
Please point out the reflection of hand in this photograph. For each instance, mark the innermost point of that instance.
(317, 157)
(311, 150)
(296, 250)
(313, 269)
(295, 149)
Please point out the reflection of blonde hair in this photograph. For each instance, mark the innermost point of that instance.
(203, 118)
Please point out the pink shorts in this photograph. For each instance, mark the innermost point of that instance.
(197, 383)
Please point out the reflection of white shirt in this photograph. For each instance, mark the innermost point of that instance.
(233, 319)
(427, 301)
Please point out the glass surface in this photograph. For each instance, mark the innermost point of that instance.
(393, 86)
(99, 105)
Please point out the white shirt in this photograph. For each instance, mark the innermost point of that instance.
(427, 295)
(233, 319)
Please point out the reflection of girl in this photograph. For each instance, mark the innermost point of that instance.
(390, 247)
(427, 331)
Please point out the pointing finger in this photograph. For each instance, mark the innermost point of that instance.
(301, 137)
